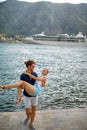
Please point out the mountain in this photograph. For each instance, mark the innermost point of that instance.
(23, 18)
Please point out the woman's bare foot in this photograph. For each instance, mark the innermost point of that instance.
(18, 100)
(3, 87)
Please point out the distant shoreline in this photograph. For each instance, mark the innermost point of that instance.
(29, 41)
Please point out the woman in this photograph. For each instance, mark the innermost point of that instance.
(30, 89)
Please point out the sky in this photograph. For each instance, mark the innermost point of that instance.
(57, 1)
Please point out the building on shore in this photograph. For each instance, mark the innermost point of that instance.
(61, 37)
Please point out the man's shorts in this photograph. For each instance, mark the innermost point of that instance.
(30, 101)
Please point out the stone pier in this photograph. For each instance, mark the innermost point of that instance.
(64, 119)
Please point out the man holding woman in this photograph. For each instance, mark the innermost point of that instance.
(31, 90)
(30, 101)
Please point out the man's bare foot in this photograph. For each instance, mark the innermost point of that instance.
(3, 87)
(18, 100)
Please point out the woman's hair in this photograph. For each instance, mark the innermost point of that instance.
(46, 70)
(29, 63)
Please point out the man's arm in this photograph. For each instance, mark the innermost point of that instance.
(34, 77)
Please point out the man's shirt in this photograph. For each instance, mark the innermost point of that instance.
(26, 78)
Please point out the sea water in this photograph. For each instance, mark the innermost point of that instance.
(67, 78)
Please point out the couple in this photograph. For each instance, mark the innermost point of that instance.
(31, 83)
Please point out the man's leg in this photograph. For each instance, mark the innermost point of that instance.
(33, 113)
(28, 114)
(34, 103)
(27, 101)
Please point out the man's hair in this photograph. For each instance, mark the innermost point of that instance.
(29, 63)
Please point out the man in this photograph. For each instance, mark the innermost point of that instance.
(30, 102)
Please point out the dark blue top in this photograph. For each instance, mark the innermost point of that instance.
(26, 78)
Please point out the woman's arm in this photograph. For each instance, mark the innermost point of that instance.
(44, 82)
(34, 77)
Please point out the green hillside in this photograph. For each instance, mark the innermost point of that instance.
(23, 18)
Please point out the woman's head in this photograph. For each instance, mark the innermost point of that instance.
(45, 71)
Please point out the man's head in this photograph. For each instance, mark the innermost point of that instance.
(30, 64)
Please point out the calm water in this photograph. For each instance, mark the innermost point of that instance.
(67, 79)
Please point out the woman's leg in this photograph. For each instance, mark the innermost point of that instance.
(24, 85)
(13, 85)
(19, 98)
